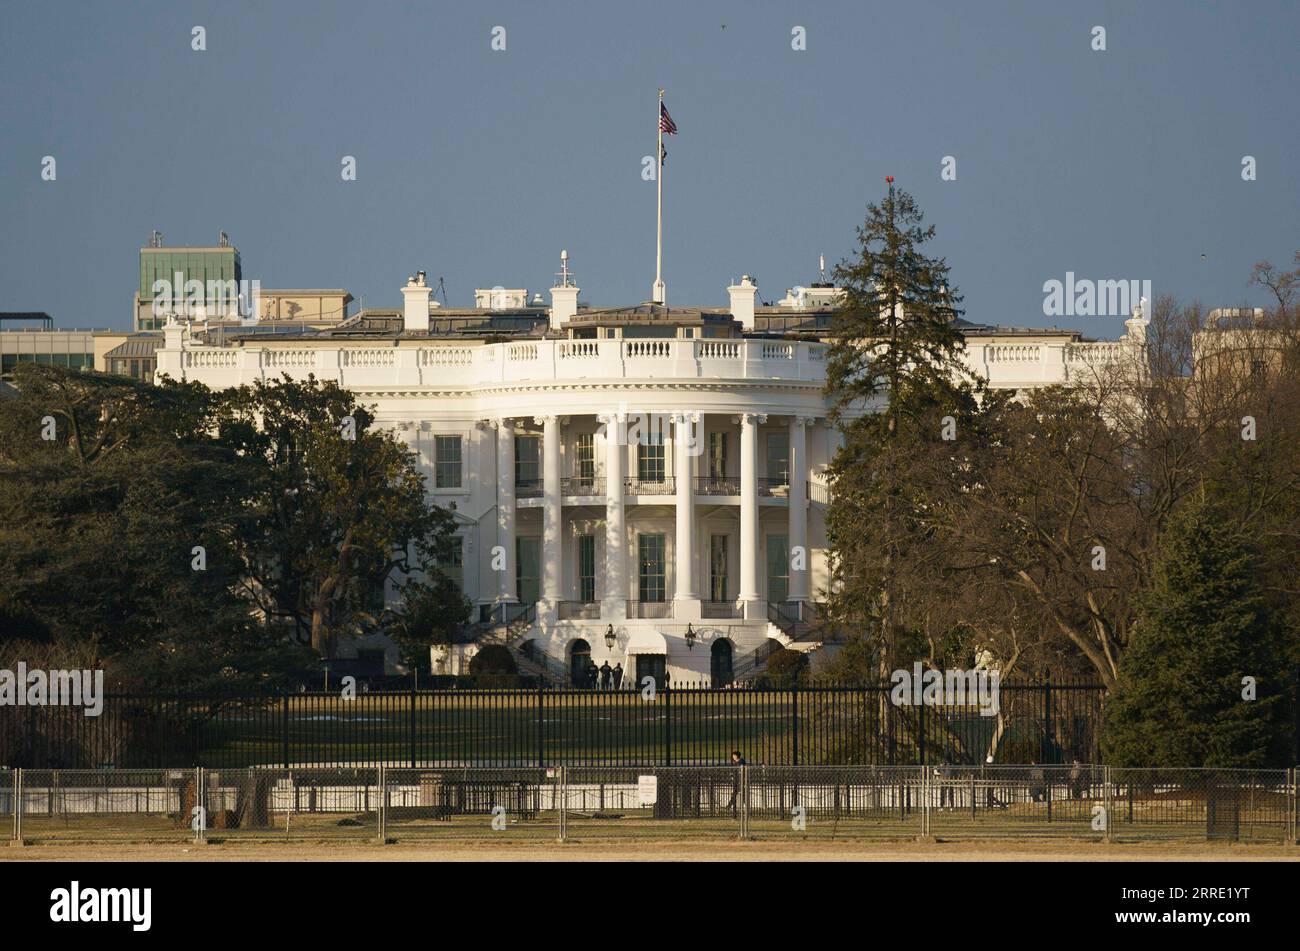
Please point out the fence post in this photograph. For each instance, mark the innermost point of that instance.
(18, 806)
(1107, 802)
(744, 801)
(284, 719)
(383, 806)
(541, 719)
(201, 801)
(794, 723)
(412, 730)
(668, 723)
(562, 779)
(1294, 804)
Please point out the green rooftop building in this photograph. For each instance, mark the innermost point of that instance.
(217, 268)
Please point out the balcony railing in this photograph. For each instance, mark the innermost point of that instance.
(582, 485)
(528, 488)
(662, 486)
(650, 609)
(579, 610)
(774, 487)
(819, 492)
(717, 485)
(721, 609)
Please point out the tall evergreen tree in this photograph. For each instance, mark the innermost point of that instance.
(1202, 626)
(894, 372)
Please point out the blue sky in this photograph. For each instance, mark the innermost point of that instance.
(479, 166)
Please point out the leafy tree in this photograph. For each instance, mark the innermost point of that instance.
(116, 535)
(338, 508)
(1202, 627)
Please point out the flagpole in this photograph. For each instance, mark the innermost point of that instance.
(658, 294)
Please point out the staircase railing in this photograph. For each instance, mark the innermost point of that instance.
(749, 665)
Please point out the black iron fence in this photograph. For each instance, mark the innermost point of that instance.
(1029, 722)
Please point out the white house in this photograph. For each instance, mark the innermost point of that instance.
(640, 485)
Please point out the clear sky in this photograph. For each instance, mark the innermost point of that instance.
(480, 165)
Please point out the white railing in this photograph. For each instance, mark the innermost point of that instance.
(460, 365)
(647, 348)
(370, 357)
(446, 356)
(719, 350)
(1015, 353)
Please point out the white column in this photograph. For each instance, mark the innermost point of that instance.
(685, 595)
(552, 530)
(799, 508)
(505, 510)
(749, 423)
(614, 598)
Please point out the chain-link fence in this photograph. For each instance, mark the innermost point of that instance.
(472, 802)
(377, 803)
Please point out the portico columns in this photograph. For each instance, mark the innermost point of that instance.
(686, 599)
(503, 561)
(799, 579)
(749, 423)
(552, 531)
(614, 600)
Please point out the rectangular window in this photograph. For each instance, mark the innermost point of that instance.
(528, 460)
(650, 462)
(446, 462)
(585, 456)
(453, 564)
(718, 568)
(587, 568)
(778, 567)
(528, 559)
(778, 458)
(652, 584)
(717, 455)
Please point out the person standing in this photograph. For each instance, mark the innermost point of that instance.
(618, 676)
(605, 674)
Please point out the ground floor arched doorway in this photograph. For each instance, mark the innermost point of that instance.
(579, 663)
(721, 655)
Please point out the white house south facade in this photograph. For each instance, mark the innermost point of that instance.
(644, 485)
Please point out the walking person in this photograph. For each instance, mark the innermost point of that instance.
(737, 761)
(618, 676)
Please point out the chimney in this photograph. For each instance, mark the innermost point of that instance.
(415, 303)
(564, 295)
(742, 301)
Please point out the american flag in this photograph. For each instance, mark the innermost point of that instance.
(666, 123)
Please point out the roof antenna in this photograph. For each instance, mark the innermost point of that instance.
(441, 287)
(564, 270)
(821, 261)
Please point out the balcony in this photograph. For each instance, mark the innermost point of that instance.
(721, 609)
(582, 485)
(774, 488)
(717, 485)
(662, 486)
(579, 610)
(650, 609)
(528, 488)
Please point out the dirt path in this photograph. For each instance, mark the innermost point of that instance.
(657, 851)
